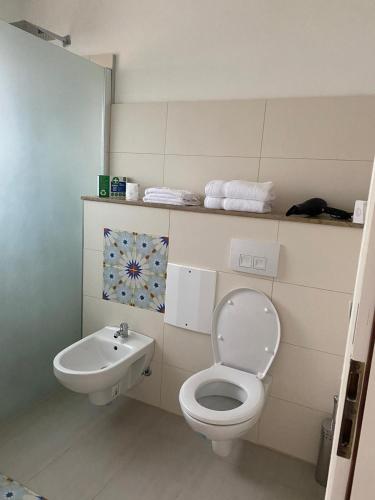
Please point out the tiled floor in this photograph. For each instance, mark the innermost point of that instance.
(67, 449)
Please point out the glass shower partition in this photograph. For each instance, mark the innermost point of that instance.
(52, 115)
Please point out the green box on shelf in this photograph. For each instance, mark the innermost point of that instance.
(103, 186)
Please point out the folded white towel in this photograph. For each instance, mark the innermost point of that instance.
(178, 194)
(167, 200)
(212, 202)
(260, 207)
(244, 190)
(215, 189)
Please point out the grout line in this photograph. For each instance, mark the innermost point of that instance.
(4, 435)
(264, 278)
(165, 140)
(183, 155)
(161, 370)
(313, 287)
(166, 127)
(93, 250)
(313, 158)
(278, 231)
(162, 381)
(163, 343)
(84, 430)
(258, 174)
(261, 140)
(135, 153)
(103, 487)
(341, 356)
(242, 156)
(277, 239)
(96, 297)
(318, 410)
(298, 346)
(190, 372)
(121, 463)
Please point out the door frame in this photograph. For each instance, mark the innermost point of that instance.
(359, 348)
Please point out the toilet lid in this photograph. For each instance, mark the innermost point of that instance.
(246, 331)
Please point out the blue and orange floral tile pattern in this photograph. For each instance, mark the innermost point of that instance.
(12, 490)
(135, 269)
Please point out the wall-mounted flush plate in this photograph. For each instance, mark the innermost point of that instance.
(190, 297)
(255, 257)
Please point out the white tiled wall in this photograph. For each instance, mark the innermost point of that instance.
(336, 128)
(215, 128)
(310, 147)
(312, 295)
(138, 128)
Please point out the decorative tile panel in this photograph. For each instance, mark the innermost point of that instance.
(135, 269)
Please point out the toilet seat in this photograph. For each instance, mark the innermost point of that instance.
(246, 386)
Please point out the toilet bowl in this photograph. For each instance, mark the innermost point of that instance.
(224, 401)
(103, 365)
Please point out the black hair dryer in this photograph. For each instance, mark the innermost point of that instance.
(317, 206)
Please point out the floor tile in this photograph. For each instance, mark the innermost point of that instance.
(90, 463)
(65, 448)
(52, 429)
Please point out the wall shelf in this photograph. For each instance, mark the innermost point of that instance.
(228, 213)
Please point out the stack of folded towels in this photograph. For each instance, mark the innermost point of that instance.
(171, 196)
(242, 196)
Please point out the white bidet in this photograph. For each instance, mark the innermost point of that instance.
(104, 364)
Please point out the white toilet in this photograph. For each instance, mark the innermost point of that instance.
(226, 400)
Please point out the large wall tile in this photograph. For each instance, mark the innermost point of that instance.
(340, 183)
(138, 127)
(97, 216)
(193, 172)
(98, 313)
(172, 380)
(203, 240)
(319, 256)
(148, 389)
(230, 281)
(216, 128)
(93, 273)
(187, 350)
(306, 377)
(313, 318)
(321, 127)
(291, 429)
(146, 170)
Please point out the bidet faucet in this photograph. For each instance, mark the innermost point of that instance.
(123, 331)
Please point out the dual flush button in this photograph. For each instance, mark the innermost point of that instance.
(254, 262)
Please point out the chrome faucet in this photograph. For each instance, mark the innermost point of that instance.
(123, 331)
